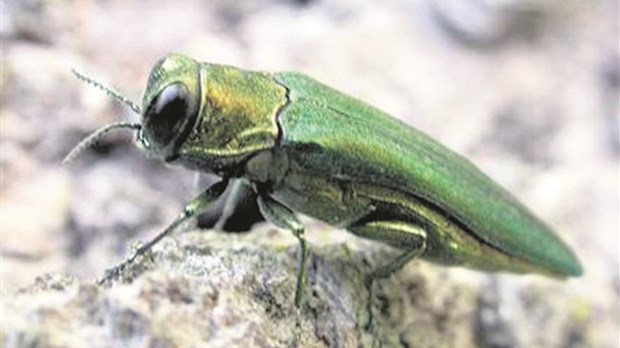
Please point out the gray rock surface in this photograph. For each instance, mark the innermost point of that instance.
(207, 289)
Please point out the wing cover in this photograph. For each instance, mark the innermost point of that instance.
(362, 143)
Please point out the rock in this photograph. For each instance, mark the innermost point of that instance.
(213, 290)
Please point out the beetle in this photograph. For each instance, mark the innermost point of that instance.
(304, 147)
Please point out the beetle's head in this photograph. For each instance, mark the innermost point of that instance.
(170, 107)
(215, 129)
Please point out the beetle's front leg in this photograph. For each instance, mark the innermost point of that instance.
(197, 206)
(283, 217)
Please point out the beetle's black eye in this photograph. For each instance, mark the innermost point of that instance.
(166, 115)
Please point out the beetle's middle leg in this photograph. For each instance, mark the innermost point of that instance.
(401, 234)
(283, 217)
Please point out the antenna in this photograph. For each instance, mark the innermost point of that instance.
(94, 136)
(108, 90)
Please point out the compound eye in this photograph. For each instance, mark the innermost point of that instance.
(167, 114)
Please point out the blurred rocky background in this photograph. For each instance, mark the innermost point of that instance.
(528, 90)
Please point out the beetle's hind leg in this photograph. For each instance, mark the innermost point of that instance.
(403, 235)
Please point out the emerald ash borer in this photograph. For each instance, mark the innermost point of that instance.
(304, 147)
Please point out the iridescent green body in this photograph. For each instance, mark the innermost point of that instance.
(335, 158)
(473, 220)
(307, 148)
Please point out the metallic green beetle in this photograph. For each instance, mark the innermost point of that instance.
(304, 147)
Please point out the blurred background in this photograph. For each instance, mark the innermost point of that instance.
(528, 90)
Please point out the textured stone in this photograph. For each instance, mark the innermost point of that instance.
(207, 289)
